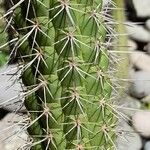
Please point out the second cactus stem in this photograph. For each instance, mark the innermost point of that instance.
(62, 48)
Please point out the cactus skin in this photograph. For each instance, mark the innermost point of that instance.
(3, 36)
(65, 73)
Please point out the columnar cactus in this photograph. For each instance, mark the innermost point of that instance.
(3, 36)
(62, 47)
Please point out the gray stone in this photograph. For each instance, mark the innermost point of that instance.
(13, 136)
(141, 123)
(148, 24)
(129, 106)
(140, 86)
(128, 139)
(142, 7)
(10, 88)
(131, 45)
(147, 146)
(140, 60)
(137, 32)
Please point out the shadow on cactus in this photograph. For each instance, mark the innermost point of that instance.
(62, 48)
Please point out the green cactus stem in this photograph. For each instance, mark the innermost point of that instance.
(3, 36)
(62, 47)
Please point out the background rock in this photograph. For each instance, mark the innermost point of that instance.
(142, 8)
(129, 106)
(141, 122)
(129, 139)
(10, 88)
(147, 146)
(140, 86)
(140, 60)
(148, 24)
(131, 45)
(12, 136)
(137, 32)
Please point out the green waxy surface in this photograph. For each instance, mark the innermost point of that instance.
(62, 49)
(4, 48)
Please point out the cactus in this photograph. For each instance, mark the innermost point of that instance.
(61, 45)
(3, 37)
(121, 48)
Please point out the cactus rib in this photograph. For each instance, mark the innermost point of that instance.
(61, 45)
